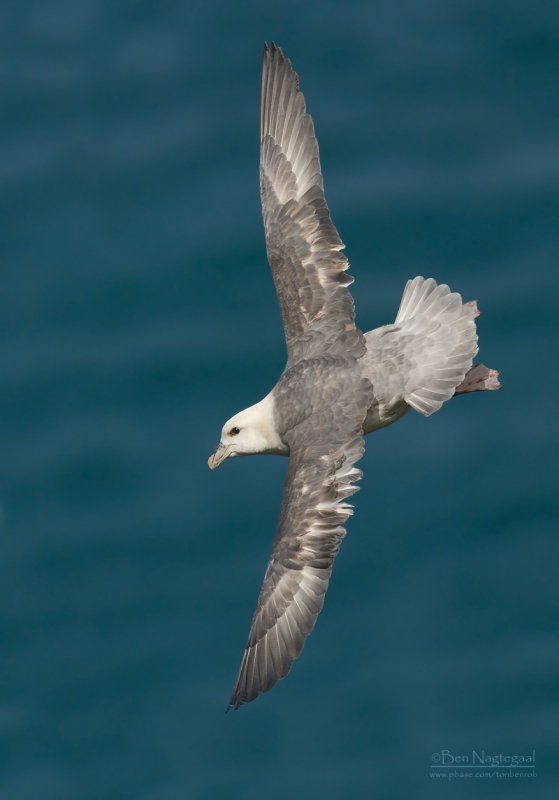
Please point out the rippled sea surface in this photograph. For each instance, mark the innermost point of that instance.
(137, 313)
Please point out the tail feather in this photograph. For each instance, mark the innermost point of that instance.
(442, 342)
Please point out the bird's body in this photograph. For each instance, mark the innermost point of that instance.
(338, 383)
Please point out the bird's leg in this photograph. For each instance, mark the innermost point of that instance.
(479, 379)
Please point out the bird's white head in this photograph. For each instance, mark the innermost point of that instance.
(248, 432)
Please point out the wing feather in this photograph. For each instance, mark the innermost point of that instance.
(307, 541)
(303, 245)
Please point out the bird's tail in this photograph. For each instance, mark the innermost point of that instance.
(439, 338)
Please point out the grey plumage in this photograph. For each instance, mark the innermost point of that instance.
(319, 479)
(337, 385)
(302, 244)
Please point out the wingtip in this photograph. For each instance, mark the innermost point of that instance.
(271, 50)
(234, 703)
(270, 47)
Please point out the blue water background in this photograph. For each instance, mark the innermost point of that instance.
(137, 313)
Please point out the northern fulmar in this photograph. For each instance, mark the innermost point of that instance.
(338, 383)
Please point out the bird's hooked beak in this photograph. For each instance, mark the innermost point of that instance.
(221, 452)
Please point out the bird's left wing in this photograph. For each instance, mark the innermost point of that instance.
(311, 526)
(303, 246)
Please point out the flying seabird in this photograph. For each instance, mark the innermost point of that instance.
(338, 383)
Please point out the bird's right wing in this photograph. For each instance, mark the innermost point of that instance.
(320, 477)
